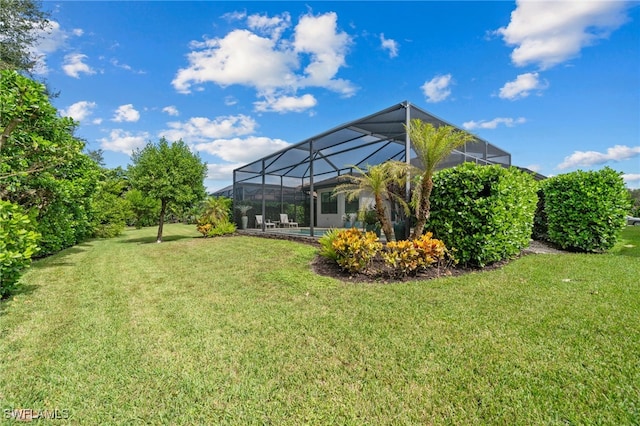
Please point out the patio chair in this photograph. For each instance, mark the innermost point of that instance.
(259, 222)
(284, 221)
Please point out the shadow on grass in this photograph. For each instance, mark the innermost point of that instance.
(58, 259)
(633, 251)
(18, 291)
(152, 240)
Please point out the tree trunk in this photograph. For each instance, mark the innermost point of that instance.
(384, 221)
(163, 209)
(425, 207)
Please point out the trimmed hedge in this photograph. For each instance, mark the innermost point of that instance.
(483, 213)
(18, 242)
(583, 211)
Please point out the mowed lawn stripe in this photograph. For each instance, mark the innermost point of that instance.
(240, 331)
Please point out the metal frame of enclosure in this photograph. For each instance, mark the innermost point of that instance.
(287, 177)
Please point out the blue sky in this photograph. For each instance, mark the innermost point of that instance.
(557, 84)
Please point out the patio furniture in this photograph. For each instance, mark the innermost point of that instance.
(284, 221)
(266, 224)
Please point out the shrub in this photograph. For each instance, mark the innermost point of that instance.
(326, 244)
(484, 212)
(355, 250)
(222, 228)
(18, 242)
(585, 211)
(407, 257)
(214, 220)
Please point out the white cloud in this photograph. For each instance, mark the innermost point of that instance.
(126, 67)
(74, 65)
(591, 158)
(79, 111)
(319, 37)
(49, 40)
(271, 64)
(201, 129)
(548, 33)
(241, 57)
(273, 27)
(171, 110)
(126, 113)
(437, 89)
(390, 45)
(522, 86)
(631, 177)
(123, 141)
(286, 104)
(222, 171)
(482, 124)
(242, 150)
(534, 167)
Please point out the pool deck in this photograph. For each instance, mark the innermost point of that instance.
(291, 234)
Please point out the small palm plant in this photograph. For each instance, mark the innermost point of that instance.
(244, 208)
(375, 180)
(432, 145)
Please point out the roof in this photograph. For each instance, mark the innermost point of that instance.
(370, 140)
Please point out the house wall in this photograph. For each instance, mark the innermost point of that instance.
(335, 220)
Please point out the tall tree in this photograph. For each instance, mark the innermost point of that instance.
(376, 180)
(432, 145)
(42, 166)
(168, 172)
(21, 25)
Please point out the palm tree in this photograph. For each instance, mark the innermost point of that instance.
(215, 210)
(375, 180)
(432, 145)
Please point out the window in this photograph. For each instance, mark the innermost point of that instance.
(352, 206)
(328, 203)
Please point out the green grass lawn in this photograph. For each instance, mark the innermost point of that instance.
(240, 331)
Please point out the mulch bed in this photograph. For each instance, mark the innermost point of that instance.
(379, 273)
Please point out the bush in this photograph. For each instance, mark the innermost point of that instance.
(214, 219)
(485, 213)
(585, 211)
(223, 228)
(355, 250)
(407, 257)
(326, 244)
(18, 242)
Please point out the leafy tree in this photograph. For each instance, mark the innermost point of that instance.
(110, 208)
(144, 210)
(42, 166)
(376, 180)
(20, 21)
(168, 172)
(432, 145)
(33, 138)
(97, 155)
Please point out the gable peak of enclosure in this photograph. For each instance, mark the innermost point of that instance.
(287, 177)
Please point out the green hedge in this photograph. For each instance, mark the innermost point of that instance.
(18, 242)
(484, 213)
(583, 211)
